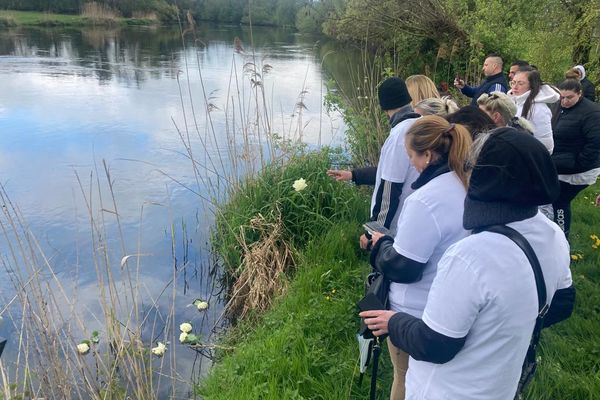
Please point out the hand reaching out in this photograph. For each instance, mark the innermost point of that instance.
(340, 175)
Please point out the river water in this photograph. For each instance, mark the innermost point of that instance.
(98, 130)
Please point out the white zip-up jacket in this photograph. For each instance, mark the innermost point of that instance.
(540, 114)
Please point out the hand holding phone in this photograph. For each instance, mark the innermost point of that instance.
(458, 82)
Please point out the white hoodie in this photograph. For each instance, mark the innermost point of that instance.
(540, 114)
(581, 70)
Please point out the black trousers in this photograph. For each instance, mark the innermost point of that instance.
(562, 205)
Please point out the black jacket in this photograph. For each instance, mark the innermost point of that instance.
(487, 86)
(577, 138)
(589, 91)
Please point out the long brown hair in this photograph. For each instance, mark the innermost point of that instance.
(442, 138)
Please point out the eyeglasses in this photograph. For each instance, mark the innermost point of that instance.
(517, 83)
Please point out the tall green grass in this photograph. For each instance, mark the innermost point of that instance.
(305, 214)
(9, 18)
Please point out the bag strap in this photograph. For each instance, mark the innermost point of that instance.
(520, 241)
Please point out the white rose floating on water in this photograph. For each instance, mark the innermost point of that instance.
(83, 348)
(159, 350)
(201, 305)
(185, 327)
(183, 337)
(299, 185)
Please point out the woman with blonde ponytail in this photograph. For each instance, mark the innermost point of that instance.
(430, 221)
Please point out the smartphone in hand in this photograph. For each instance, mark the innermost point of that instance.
(374, 226)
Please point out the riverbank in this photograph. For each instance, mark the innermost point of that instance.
(11, 18)
(305, 345)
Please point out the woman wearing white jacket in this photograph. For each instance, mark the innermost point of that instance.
(533, 99)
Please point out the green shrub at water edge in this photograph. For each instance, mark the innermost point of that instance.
(305, 214)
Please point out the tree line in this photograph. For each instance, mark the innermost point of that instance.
(258, 12)
(452, 37)
(441, 38)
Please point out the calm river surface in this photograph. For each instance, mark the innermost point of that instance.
(75, 103)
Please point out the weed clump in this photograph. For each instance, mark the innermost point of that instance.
(263, 270)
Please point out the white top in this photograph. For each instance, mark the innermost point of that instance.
(485, 288)
(582, 178)
(540, 114)
(431, 220)
(394, 165)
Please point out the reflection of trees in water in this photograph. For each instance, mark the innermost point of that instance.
(133, 55)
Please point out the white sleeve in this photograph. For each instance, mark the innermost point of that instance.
(541, 118)
(396, 164)
(454, 299)
(417, 233)
(566, 279)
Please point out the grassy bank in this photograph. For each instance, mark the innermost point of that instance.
(10, 18)
(304, 347)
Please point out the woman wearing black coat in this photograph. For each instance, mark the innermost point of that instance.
(576, 153)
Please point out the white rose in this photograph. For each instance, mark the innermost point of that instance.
(201, 305)
(83, 348)
(159, 350)
(182, 337)
(185, 327)
(299, 185)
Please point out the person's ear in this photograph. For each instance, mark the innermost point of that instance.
(428, 156)
(497, 118)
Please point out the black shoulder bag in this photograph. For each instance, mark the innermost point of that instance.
(530, 363)
(376, 298)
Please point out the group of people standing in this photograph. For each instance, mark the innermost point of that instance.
(463, 300)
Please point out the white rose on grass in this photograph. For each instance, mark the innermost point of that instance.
(83, 348)
(159, 350)
(185, 327)
(299, 185)
(182, 337)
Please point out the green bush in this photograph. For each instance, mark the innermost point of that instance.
(305, 214)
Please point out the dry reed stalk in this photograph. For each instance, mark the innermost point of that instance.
(50, 324)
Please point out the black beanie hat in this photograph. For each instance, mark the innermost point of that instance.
(393, 94)
(514, 174)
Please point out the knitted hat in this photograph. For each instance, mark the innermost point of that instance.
(514, 174)
(393, 94)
